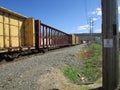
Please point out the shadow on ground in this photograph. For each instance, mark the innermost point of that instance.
(99, 88)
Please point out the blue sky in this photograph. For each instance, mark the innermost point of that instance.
(70, 16)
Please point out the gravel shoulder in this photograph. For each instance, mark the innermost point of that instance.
(40, 72)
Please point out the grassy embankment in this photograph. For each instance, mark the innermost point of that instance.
(91, 57)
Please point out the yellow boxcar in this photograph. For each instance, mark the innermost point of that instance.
(77, 40)
(73, 39)
(30, 32)
(16, 31)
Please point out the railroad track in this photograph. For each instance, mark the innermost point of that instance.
(4, 61)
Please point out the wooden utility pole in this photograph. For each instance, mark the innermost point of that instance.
(110, 36)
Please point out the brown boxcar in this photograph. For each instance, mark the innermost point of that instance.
(49, 37)
(17, 31)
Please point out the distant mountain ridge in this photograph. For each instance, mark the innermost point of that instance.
(87, 36)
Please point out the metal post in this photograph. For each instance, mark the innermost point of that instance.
(110, 44)
(91, 29)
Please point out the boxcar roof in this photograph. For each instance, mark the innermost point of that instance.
(2, 9)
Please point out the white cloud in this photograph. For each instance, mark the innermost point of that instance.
(84, 27)
(95, 19)
(98, 12)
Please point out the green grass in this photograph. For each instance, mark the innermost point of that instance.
(92, 65)
(71, 73)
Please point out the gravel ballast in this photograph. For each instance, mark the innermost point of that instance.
(32, 73)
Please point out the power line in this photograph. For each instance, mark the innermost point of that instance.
(86, 11)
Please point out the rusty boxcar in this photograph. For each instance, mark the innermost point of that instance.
(48, 37)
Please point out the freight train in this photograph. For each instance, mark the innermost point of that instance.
(19, 34)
